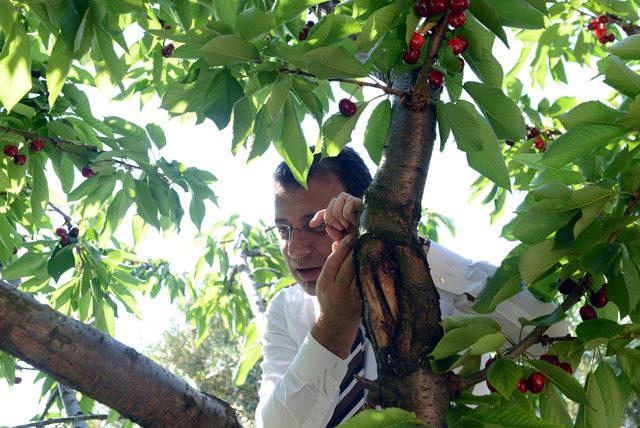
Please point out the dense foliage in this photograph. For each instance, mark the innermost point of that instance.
(251, 65)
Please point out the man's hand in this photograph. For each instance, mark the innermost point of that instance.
(340, 216)
(339, 298)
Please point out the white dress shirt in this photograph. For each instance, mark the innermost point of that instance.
(301, 378)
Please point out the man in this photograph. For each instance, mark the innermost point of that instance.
(312, 335)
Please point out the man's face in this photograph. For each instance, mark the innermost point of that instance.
(305, 252)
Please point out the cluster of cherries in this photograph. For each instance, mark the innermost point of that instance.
(67, 237)
(87, 172)
(20, 159)
(539, 143)
(599, 28)
(304, 33)
(535, 382)
(598, 299)
(167, 50)
(458, 44)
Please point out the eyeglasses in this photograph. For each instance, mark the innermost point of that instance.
(281, 233)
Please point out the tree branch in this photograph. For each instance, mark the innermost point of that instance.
(67, 219)
(63, 420)
(537, 334)
(383, 88)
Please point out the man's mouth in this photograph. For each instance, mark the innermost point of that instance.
(308, 274)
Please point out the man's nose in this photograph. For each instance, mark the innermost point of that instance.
(299, 244)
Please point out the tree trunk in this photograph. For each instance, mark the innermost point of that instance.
(102, 368)
(402, 310)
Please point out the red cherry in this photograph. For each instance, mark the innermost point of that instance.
(551, 359)
(167, 50)
(611, 38)
(599, 299)
(438, 6)
(603, 19)
(20, 160)
(587, 312)
(87, 172)
(522, 386)
(535, 383)
(302, 35)
(533, 132)
(489, 362)
(600, 32)
(11, 151)
(459, 5)
(37, 145)
(436, 79)
(539, 143)
(566, 367)
(456, 19)
(310, 24)
(593, 25)
(74, 232)
(17, 380)
(567, 286)
(417, 41)
(347, 107)
(458, 44)
(422, 9)
(64, 241)
(411, 56)
(461, 62)
(61, 232)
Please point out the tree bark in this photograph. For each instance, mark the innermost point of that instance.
(102, 368)
(401, 310)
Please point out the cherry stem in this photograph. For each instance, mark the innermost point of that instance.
(67, 219)
(359, 83)
(535, 336)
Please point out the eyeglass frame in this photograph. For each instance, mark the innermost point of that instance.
(313, 230)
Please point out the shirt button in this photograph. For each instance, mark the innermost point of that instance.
(440, 280)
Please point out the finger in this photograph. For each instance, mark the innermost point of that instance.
(350, 211)
(334, 233)
(317, 219)
(338, 208)
(329, 219)
(334, 263)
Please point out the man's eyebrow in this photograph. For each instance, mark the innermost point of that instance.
(306, 217)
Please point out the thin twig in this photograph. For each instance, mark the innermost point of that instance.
(63, 420)
(383, 88)
(67, 219)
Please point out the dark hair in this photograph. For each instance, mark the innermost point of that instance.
(348, 166)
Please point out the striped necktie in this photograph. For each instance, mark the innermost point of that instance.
(352, 394)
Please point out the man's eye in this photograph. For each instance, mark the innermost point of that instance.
(283, 231)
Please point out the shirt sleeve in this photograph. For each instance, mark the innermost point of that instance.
(299, 386)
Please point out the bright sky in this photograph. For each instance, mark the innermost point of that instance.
(246, 189)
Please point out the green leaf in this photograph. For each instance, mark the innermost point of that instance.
(157, 135)
(504, 283)
(489, 343)
(253, 23)
(334, 62)
(115, 214)
(39, 188)
(550, 319)
(375, 134)
(292, 145)
(565, 382)
(196, 211)
(619, 76)
(507, 417)
(61, 261)
(596, 331)
(58, 68)
(221, 97)
(377, 24)
(553, 407)
(388, 417)
(612, 395)
(579, 142)
(629, 362)
(147, 206)
(286, 10)
(519, 14)
(504, 374)
(460, 338)
(336, 131)
(590, 113)
(183, 8)
(303, 89)
(251, 354)
(631, 119)
(116, 66)
(538, 259)
(592, 414)
(487, 14)
(503, 114)
(27, 265)
(15, 62)
(244, 116)
(631, 278)
(458, 321)
(332, 29)
(229, 49)
(628, 48)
